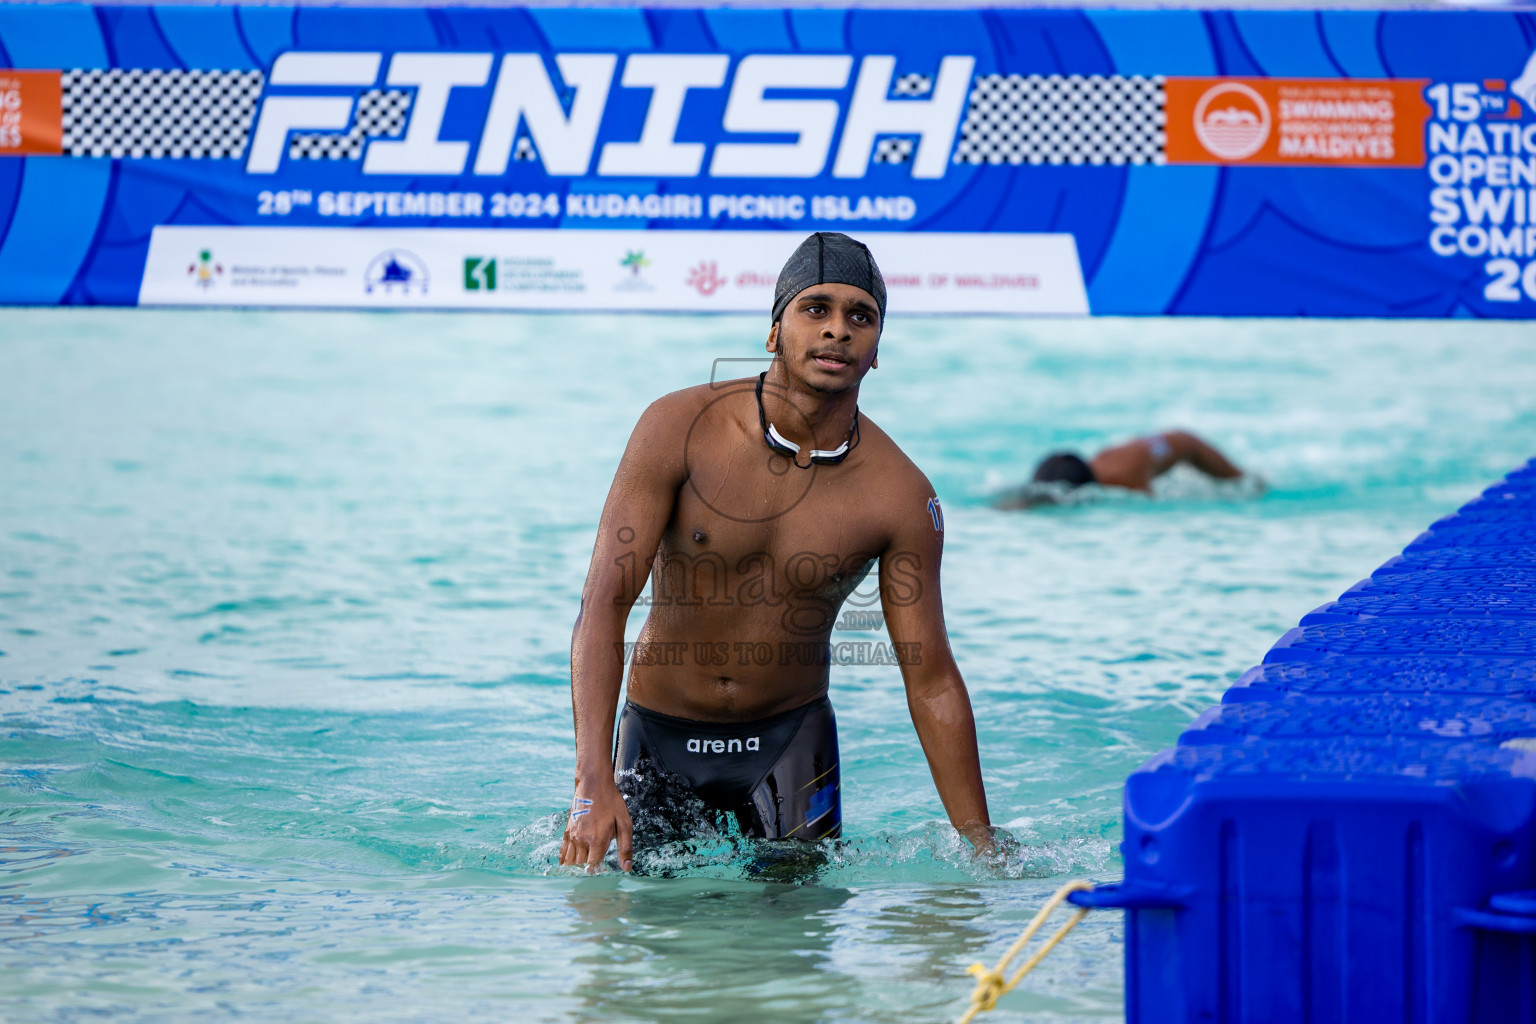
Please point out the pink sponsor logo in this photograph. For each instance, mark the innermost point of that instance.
(706, 278)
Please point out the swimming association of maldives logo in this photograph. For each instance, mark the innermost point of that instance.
(1232, 121)
(705, 278)
(396, 272)
(204, 271)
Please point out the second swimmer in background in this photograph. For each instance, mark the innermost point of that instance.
(1132, 465)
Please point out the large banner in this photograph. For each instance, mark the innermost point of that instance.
(1329, 163)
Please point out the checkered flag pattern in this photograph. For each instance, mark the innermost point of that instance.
(380, 113)
(134, 112)
(913, 85)
(893, 151)
(1064, 119)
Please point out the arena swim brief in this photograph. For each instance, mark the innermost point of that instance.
(778, 775)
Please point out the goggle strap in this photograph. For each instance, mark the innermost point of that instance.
(778, 441)
(776, 438)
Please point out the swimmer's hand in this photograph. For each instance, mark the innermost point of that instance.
(981, 836)
(994, 850)
(598, 817)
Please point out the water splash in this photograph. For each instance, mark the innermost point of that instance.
(927, 852)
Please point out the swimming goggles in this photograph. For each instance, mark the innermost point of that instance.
(791, 451)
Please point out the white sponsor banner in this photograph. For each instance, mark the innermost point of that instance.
(581, 270)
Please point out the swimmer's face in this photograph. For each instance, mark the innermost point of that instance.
(828, 336)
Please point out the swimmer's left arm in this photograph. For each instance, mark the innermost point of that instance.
(936, 693)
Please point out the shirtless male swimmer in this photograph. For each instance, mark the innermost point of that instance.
(761, 504)
(1132, 466)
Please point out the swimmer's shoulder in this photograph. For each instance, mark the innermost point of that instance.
(900, 496)
(678, 410)
(655, 451)
(897, 472)
(660, 439)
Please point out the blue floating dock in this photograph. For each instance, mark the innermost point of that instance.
(1351, 834)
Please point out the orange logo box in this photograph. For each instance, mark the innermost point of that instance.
(1337, 122)
(31, 113)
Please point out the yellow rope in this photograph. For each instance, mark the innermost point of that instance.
(992, 985)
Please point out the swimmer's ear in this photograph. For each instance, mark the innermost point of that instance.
(773, 337)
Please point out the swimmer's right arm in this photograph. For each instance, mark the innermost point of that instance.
(637, 510)
(1202, 455)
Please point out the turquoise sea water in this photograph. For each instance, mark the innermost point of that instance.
(285, 602)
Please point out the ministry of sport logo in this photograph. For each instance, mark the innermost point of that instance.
(204, 271)
(1232, 121)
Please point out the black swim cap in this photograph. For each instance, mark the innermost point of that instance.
(829, 257)
(1063, 468)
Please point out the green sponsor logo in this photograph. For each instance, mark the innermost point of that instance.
(479, 274)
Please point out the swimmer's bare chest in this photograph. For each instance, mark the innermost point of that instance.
(754, 565)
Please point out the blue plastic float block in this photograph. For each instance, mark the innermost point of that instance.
(1371, 677)
(1334, 880)
(1351, 835)
(1500, 502)
(1423, 559)
(1422, 580)
(1454, 532)
(1423, 605)
(1525, 476)
(1425, 637)
(1506, 592)
(1521, 494)
(1415, 717)
(1523, 479)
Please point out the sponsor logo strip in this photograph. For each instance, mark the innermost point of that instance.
(548, 269)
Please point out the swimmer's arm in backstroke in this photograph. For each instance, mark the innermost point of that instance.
(639, 504)
(936, 694)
